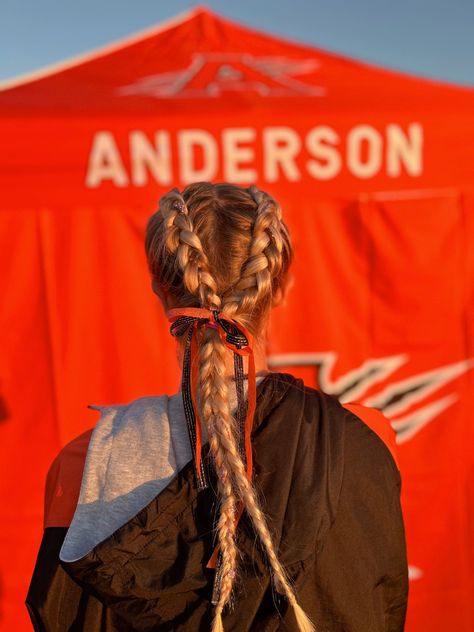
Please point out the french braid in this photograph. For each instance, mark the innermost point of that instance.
(179, 261)
(265, 258)
(184, 243)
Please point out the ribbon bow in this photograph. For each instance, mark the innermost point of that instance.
(240, 341)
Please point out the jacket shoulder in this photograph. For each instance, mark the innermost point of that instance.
(378, 423)
(371, 420)
(63, 482)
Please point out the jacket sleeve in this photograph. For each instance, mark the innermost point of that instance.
(55, 602)
(361, 569)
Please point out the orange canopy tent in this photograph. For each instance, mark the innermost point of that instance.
(374, 172)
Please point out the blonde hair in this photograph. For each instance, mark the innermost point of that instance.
(231, 251)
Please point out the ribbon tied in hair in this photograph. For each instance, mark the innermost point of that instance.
(186, 321)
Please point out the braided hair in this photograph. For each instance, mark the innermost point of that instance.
(224, 247)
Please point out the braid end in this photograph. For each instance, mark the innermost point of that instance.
(302, 619)
(217, 622)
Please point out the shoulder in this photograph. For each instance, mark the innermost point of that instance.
(324, 419)
(356, 444)
(378, 424)
(130, 422)
(365, 429)
(117, 421)
(64, 480)
(371, 468)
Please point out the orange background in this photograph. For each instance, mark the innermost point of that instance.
(382, 309)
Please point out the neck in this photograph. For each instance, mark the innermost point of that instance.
(261, 363)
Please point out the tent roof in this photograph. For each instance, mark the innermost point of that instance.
(205, 58)
(201, 97)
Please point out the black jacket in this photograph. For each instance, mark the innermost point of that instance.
(330, 489)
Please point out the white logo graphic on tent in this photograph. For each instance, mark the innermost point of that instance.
(395, 400)
(213, 74)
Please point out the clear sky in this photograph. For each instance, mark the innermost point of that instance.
(432, 38)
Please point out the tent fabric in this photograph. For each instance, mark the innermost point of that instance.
(374, 172)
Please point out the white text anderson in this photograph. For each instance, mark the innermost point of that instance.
(241, 154)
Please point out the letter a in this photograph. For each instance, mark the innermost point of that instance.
(105, 162)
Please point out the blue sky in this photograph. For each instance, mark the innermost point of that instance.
(424, 37)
